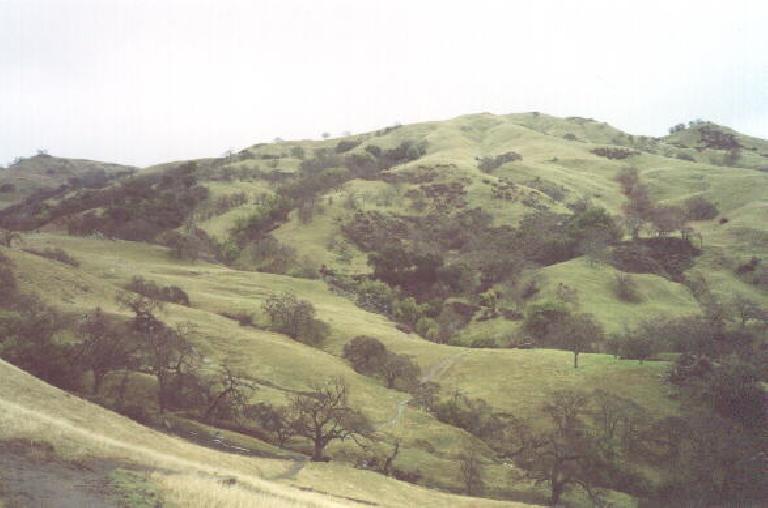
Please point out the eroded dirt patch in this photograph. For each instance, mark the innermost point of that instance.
(32, 475)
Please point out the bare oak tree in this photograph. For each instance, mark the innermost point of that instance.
(324, 415)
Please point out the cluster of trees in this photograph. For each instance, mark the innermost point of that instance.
(613, 152)
(409, 255)
(370, 357)
(586, 440)
(667, 257)
(558, 324)
(599, 440)
(190, 243)
(717, 139)
(754, 272)
(347, 145)
(488, 164)
(138, 208)
(700, 208)
(220, 205)
(152, 290)
(551, 189)
(295, 318)
(56, 254)
(677, 128)
(31, 336)
(325, 171)
(640, 210)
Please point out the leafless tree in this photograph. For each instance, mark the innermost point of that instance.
(324, 415)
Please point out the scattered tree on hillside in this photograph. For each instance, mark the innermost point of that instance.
(700, 208)
(324, 415)
(168, 353)
(29, 339)
(231, 394)
(370, 357)
(638, 207)
(677, 128)
(745, 310)
(577, 333)
(667, 219)
(425, 395)
(595, 247)
(365, 354)
(274, 420)
(471, 472)
(104, 347)
(564, 453)
(295, 318)
(9, 238)
(8, 285)
(400, 368)
(625, 288)
(638, 345)
(152, 290)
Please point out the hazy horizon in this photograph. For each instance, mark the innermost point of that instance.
(142, 82)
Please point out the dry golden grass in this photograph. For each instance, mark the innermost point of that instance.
(196, 491)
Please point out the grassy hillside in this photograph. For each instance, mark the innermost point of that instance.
(296, 203)
(43, 172)
(287, 365)
(186, 474)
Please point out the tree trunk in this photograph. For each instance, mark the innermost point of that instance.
(162, 386)
(317, 454)
(98, 377)
(212, 407)
(123, 388)
(557, 491)
(557, 486)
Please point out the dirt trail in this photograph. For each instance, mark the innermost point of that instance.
(30, 476)
(433, 374)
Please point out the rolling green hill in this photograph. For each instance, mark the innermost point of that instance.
(43, 172)
(484, 198)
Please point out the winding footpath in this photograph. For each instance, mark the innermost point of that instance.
(432, 375)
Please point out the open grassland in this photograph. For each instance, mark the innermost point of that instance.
(657, 296)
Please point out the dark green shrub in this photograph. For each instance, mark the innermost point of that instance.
(614, 152)
(488, 164)
(346, 145)
(150, 289)
(700, 208)
(55, 254)
(625, 288)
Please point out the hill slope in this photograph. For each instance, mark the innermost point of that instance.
(43, 172)
(473, 209)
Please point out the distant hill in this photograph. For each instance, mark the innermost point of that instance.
(720, 145)
(44, 172)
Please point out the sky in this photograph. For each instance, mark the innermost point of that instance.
(142, 82)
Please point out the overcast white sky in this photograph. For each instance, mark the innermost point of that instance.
(141, 82)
